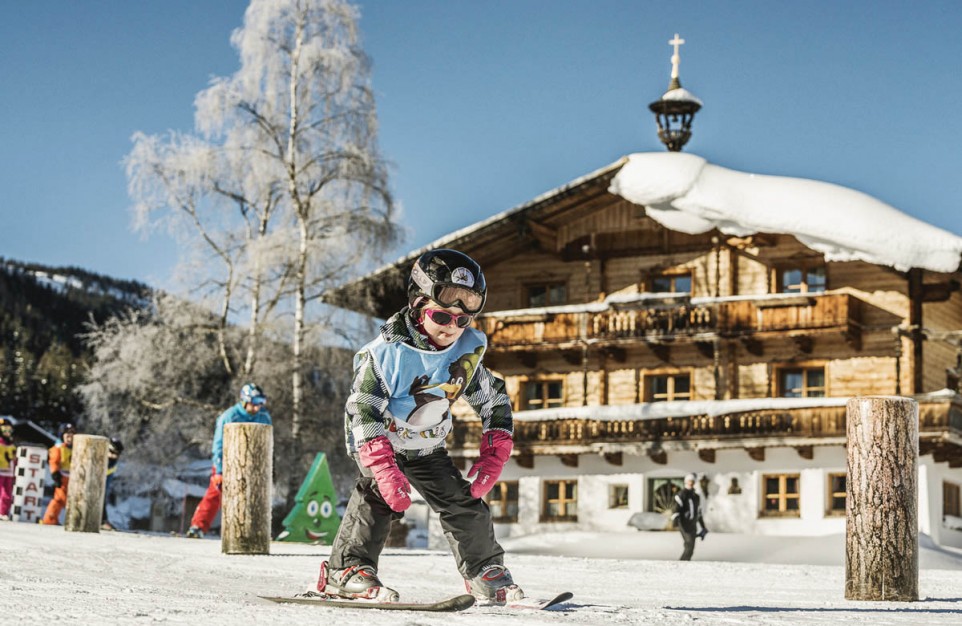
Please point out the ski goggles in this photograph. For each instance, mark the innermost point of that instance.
(448, 295)
(443, 318)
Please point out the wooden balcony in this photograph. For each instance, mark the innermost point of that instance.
(940, 431)
(676, 319)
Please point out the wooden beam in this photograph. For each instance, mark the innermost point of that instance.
(707, 455)
(528, 358)
(569, 460)
(806, 452)
(939, 292)
(525, 460)
(614, 458)
(804, 343)
(706, 349)
(661, 351)
(757, 454)
(617, 353)
(658, 455)
(574, 357)
(753, 346)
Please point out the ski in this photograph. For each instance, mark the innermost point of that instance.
(456, 603)
(536, 604)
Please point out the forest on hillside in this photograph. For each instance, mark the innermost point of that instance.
(44, 314)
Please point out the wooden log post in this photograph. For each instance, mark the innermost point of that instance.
(88, 480)
(881, 500)
(246, 502)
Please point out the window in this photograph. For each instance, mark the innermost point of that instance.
(801, 382)
(661, 493)
(560, 501)
(503, 502)
(549, 294)
(950, 500)
(801, 279)
(671, 283)
(664, 387)
(836, 494)
(780, 492)
(617, 496)
(543, 394)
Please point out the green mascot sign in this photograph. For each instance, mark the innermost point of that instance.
(314, 518)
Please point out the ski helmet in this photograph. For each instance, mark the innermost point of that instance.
(252, 394)
(116, 445)
(450, 278)
(67, 428)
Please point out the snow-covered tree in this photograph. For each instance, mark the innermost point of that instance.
(281, 188)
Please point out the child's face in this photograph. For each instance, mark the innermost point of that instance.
(445, 335)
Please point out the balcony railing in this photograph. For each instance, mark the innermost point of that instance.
(936, 419)
(663, 320)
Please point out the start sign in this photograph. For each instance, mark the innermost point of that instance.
(28, 489)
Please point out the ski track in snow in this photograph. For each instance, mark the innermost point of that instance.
(127, 578)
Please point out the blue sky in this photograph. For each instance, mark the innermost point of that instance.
(485, 105)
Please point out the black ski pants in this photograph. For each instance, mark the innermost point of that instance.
(465, 520)
(688, 535)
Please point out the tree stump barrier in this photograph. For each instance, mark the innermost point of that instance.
(881, 499)
(246, 501)
(88, 481)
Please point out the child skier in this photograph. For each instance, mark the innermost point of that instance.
(396, 419)
(8, 457)
(251, 408)
(59, 463)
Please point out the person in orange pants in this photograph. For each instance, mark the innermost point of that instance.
(59, 460)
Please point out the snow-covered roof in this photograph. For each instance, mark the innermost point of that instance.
(685, 193)
(710, 408)
(680, 94)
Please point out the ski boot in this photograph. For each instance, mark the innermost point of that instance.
(194, 532)
(359, 582)
(494, 585)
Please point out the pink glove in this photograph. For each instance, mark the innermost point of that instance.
(378, 456)
(496, 447)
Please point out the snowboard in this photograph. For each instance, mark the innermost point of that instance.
(448, 605)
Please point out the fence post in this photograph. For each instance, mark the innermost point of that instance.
(88, 480)
(246, 501)
(881, 499)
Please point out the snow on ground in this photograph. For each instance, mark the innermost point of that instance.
(49, 575)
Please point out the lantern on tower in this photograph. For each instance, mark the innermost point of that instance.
(675, 110)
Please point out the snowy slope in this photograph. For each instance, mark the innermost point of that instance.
(49, 575)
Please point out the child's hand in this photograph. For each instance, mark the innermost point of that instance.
(496, 448)
(378, 456)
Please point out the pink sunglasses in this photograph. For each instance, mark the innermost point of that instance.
(443, 318)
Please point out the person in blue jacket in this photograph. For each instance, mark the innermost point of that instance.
(251, 408)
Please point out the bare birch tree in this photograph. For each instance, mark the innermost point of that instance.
(282, 187)
(302, 98)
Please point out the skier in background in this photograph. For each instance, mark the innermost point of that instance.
(687, 511)
(396, 420)
(116, 447)
(59, 464)
(251, 408)
(8, 458)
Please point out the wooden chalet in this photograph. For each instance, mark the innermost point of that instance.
(635, 354)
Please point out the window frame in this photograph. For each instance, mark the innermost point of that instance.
(648, 377)
(672, 276)
(504, 501)
(783, 495)
(951, 502)
(543, 382)
(805, 267)
(563, 501)
(781, 370)
(831, 494)
(616, 502)
(547, 285)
